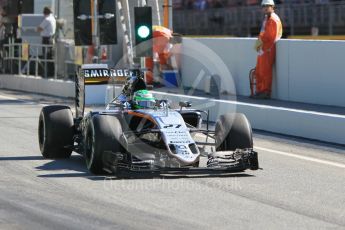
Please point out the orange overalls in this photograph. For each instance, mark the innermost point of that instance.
(270, 33)
(161, 41)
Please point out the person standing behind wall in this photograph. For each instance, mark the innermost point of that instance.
(270, 33)
(47, 29)
(161, 53)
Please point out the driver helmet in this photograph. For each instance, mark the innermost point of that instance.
(267, 3)
(143, 99)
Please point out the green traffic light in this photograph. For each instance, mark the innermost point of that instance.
(143, 31)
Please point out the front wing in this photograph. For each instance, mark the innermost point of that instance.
(221, 162)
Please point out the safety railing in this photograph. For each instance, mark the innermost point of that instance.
(41, 55)
(49, 61)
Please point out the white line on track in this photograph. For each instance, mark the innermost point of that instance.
(234, 102)
(8, 98)
(26, 102)
(312, 159)
(21, 100)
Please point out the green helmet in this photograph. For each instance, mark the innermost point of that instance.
(143, 99)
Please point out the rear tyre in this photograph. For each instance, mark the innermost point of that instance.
(233, 131)
(55, 131)
(103, 134)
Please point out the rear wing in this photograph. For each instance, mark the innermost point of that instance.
(93, 81)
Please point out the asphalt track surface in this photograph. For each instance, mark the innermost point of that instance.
(301, 186)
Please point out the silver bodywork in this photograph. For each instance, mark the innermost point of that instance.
(174, 133)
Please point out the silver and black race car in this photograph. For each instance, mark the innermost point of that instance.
(156, 138)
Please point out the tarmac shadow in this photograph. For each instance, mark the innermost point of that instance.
(74, 163)
(20, 158)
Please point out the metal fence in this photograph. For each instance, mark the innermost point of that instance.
(298, 19)
(49, 61)
(15, 63)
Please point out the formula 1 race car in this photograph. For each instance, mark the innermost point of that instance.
(136, 132)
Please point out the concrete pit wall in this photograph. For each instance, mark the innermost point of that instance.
(305, 71)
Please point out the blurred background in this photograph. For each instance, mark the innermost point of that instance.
(243, 17)
(20, 48)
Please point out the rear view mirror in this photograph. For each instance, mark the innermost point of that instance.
(185, 104)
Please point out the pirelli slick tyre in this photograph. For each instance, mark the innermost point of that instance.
(103, 134)
(233, 131)
(55, 131)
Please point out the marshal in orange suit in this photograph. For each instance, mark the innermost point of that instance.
(161, 49)
(270, 33)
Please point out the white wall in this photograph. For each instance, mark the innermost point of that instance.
(32, 84)
(316, 71)
(306, 71)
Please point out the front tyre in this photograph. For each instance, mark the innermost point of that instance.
(103, 134)
(233, 131)
(55, 131)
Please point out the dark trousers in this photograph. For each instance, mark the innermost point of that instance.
(47, 53)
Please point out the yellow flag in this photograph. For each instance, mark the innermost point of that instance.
(25, 51)
(258, 45)
(78, 55)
